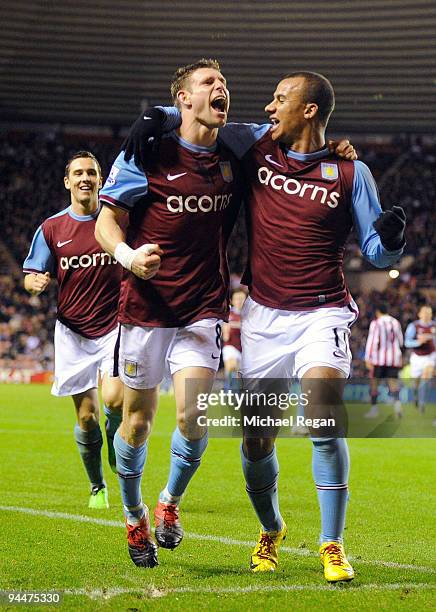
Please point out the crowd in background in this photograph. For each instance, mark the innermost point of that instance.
(31, 189)
(26, 326)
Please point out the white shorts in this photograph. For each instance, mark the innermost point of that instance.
(418, 363)
(79, 360)
(231, 352)
(285, 344)
(146, 351)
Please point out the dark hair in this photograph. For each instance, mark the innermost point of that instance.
(77, 156)
(183, 73)
(382, 307)
(319, 90)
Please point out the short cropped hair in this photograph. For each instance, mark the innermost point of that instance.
(382, 307)
(319, 90)
(77, 156)
(182, 74)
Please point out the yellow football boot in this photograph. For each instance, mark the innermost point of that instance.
(335, 563)
(265, 554)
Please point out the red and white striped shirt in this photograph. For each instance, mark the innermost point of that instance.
(385, 339)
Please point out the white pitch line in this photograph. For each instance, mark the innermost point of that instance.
(304, 552)
(80, 518)
(154, 592)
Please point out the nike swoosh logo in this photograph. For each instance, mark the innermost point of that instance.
(173, 177)
(213, 356)
(272, 161)
(61, 244)
(335, 353)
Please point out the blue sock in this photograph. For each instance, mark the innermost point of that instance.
(113, 421)
(228, 381)
(130, 464)
(331, 466)
(232, 382)
(89, 444)
(185, 461)
(235, 383)
(300, 409)
(261, 477)
(424, 385)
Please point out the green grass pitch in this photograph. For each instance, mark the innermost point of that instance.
(46, 542)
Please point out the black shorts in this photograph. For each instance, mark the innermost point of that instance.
(385, 372)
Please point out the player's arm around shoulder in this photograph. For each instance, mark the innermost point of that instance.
(342, 149)
(36, 282)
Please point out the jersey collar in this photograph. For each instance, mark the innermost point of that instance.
(308, 156)
(192, 147)
(83, 217)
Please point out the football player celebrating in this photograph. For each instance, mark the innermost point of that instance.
(301, 204)
(88, 279)
(174, 291)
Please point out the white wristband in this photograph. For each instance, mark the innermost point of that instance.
(125, 254)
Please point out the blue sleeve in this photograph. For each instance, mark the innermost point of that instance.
(173, 118)
(39, 258)
(410, 340)
(366, 208)
(125, 185)
(238, 137)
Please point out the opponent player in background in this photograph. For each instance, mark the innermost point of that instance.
(420, 337)
(64, 247)
(383, 357)
(174, 291)
(232, 339)
(301, 204)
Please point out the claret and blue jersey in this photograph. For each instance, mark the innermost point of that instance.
(415, 329)
(88, 278)
(183, 200)
(300, 210)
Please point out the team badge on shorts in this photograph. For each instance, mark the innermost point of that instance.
(130, 368)
(226, 171)
(329, 171)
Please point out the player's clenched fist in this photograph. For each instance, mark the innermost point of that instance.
(144, 261)
(147, 261)
(37, 283)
